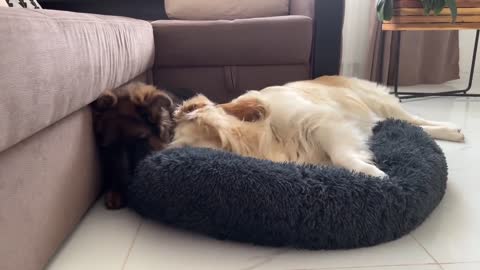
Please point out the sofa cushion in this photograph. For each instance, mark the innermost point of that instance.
(261, 41)
(54, 63)
(225, 9)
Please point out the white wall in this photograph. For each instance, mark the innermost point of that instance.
(355, 43)
(467, 38)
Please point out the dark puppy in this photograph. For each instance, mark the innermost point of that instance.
(137, 116)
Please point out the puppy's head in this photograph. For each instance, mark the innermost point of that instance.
(137, 111)
(202, 123)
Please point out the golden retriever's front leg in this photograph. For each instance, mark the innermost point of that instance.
(351, 160)
(346, 147)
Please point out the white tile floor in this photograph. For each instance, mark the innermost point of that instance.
(448, 240)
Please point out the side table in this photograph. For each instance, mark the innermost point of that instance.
(412, 19)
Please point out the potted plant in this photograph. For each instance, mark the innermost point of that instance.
(385, 8)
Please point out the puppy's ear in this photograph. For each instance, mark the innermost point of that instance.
(148, 95)
(106, 101)
(159, 100)
(247, 109)
(155, 102)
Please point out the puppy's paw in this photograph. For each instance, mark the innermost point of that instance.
(107, 100)
(114, 200)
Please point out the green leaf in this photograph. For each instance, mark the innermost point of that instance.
(438, 6)
(380, 9)
(452, 5)
(388, 10)
(427, 6)
(380, 4)
(384, 10)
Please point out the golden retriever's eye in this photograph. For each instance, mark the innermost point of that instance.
(190, 108)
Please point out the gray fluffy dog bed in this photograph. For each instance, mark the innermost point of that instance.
(245, 199)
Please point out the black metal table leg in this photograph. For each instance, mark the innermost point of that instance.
(474, 60)
(397, 63)
(453, 93)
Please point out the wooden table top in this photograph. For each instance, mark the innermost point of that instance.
(429, 26)
(409, 16)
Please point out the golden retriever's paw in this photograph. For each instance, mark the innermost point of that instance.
(456, 135)
(374, 171)
(380, 174)
(460, 136)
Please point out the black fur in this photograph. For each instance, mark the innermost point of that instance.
(258, 201)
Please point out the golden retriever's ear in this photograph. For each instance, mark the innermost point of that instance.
(191, 105)
(106, 101)
(248, 109)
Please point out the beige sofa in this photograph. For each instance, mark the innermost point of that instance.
(54, 63)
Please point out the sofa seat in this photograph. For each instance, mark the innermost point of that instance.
(55, 62)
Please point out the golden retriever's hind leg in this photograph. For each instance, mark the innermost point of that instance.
(444, 133)
(438, 130)
(418, 121)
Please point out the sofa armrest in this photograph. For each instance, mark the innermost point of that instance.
(54, 62)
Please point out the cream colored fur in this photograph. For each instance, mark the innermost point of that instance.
(323, 121)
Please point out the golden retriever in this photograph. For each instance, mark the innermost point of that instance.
(327, 120)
